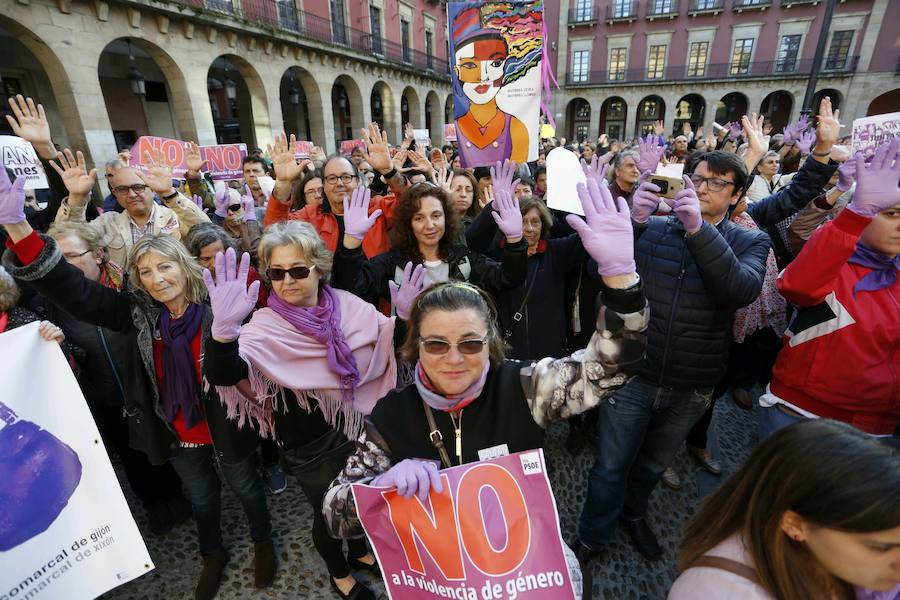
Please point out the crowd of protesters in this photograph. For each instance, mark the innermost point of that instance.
(320, 316)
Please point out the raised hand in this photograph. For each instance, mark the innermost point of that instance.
(230, 298)
(377, 151)
(159, 172)
(29, 122)
(734, 131)
(198, 201)
(74, 174)
(645, 200)
(507, 215)
(420, 162)
(686, 206)
(287, 169)
(486, 197)
(193, 160)
(754, 130)
(357, 220)
(502, 177)
(846, 173)
(793, 130)
(649, 154)
(444, 177)
(403, 296)
(318, 153)
(805, 142)
(659, 128)
(411, 477)
(12, 199)
(222, 199)
(828, 127)
(596, 170)
(248, 204)
(876, 182)
(605, 231)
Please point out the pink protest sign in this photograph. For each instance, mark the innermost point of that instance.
(493, 533)
(347, 146)
(302, 149)
(223, 161)
(449, 132)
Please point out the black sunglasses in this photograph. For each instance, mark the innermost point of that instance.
(443, 347)
(276, 274)
(234, 207)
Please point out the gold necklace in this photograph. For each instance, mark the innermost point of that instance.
(458, 428)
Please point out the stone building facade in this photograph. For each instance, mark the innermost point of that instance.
(213, 71)
(622, 64)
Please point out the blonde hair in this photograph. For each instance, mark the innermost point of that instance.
(93, 238)
(172, 249)
(305, 237)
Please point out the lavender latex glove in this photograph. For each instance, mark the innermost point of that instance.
(735, 131)
(649, 154)
(403, 296)
(12, 199)
(222, 199)
(357, 220)
(506, 214)
(198, 201)
(248, 204)
(876, 182)
(645, 201)
(597, 168)
(846, 172)
(605, 231)
(229, 296)
(686, 206)
(793, 130)
(411, 477)
(806, 141)
(502, 177)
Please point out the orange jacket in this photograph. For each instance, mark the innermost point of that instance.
(375, 242)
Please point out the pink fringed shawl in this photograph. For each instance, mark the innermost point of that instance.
(281, 358)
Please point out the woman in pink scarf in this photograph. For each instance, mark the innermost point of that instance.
(304, 370)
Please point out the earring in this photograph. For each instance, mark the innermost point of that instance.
(797, 537)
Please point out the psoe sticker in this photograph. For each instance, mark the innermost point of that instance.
(531, 463)
(493, 452)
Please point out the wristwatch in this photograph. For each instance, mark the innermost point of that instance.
(170, 196)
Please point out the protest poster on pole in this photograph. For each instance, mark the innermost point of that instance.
(223, 161)
(348, 146)
(19, 156)
(871, 132)
(492, 534)
(303, 149)
(66, 530)
(496, 54)
(422, 138)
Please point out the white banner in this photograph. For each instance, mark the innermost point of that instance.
(65, 528)
(19, 156)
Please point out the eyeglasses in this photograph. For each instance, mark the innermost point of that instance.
(276, 274)
(713, 183)
(74, 256)
(234, 207)
(345, 178)
(313, 192)
(121, 190)
(441, 347)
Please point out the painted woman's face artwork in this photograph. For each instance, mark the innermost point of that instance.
(479, 67)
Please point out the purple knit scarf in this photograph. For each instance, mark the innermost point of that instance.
(180, 388)
(884, 269)
(323, 324)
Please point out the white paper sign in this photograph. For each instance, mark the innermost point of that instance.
(422, 138)
(20, 156)
(871, 132)
(674, 170)
(66, 530)
(563, 175)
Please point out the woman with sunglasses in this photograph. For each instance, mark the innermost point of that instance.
(424, 233)
(172, 416)
(479, 401)
(304, 370)
(237, 216)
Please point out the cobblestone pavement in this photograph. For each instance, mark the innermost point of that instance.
(620, 575)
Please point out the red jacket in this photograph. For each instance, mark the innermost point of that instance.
(841, 354)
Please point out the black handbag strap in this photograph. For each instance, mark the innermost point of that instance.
(519, 313)
(437, 440)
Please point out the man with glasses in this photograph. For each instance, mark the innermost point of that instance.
(697, 268)
(141, 216)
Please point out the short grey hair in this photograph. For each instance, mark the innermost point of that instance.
(202, 235)
(617, 161)
(9, 291)
(300, 234)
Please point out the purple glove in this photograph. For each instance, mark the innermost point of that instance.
(845, 174)
(249, 204)
(607, 234)
(793, 130)
(686, 206)
(806, 141)
(198, 201)
(357, 220)
(645, 201)
(403, 296)
(411, 477)
(506, 213)
(876, 183)
(12, 199)
(229, 296)
(735, 131)
(502, 177)
(649, 154)
(222, 199)
(596, 170)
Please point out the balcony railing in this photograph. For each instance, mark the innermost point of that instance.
(662, 8)
(742, 5)
(285, 16)
(790, 3)
(619, 10)
(581, 15)
(681, 73)
(702, 7)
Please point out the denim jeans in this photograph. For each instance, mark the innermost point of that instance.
(639, 430)
(204, 491)
(772, 418)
